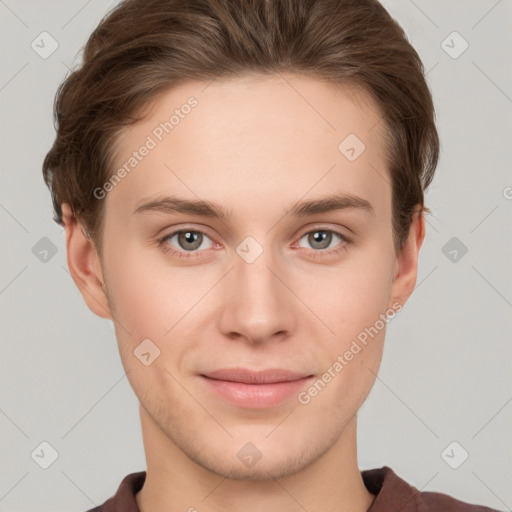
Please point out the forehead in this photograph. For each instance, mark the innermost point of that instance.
(255, 135)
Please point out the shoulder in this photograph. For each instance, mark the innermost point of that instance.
(124, 499)
(437, 501)
(394, 493)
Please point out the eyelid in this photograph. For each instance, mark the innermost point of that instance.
(322, 226)
(324, 253)
(180, 253)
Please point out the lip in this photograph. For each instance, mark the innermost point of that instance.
(255, 389)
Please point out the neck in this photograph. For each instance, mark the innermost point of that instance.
(174, 482)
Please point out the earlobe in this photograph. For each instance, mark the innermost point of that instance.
(406, 266)
(84, 265)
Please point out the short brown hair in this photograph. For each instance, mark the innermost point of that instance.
(142, 48)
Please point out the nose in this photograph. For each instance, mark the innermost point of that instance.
(257, 303)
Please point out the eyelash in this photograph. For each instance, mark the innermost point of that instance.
(341, 247)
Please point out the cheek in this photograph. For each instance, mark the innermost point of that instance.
(353, 302)
(151, 303)
(155, 300)
(352, 296)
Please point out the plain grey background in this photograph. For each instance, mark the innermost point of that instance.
(445, 376)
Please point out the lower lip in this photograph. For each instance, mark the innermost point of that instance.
(256, 396)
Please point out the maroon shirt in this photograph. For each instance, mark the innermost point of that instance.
(392, 495)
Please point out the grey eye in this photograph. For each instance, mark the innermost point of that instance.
(189, 240)
(320, 239)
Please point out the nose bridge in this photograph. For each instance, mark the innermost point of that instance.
(256, 306)
(256, 277)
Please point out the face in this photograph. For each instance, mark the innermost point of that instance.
(288, 263)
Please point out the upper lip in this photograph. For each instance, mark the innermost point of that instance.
(255, 376)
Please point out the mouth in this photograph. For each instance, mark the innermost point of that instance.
(255, 389)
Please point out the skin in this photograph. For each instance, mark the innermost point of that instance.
(256, 147)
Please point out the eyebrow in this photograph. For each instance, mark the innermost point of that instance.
(214, 210)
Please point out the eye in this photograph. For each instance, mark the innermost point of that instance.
(185, 241)
(321, 240)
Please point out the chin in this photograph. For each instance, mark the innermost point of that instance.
(271, 468)
(262, 459)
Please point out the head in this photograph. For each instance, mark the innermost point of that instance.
(266, 115)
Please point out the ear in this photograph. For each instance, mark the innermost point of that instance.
(84, 265)
(406, 265)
